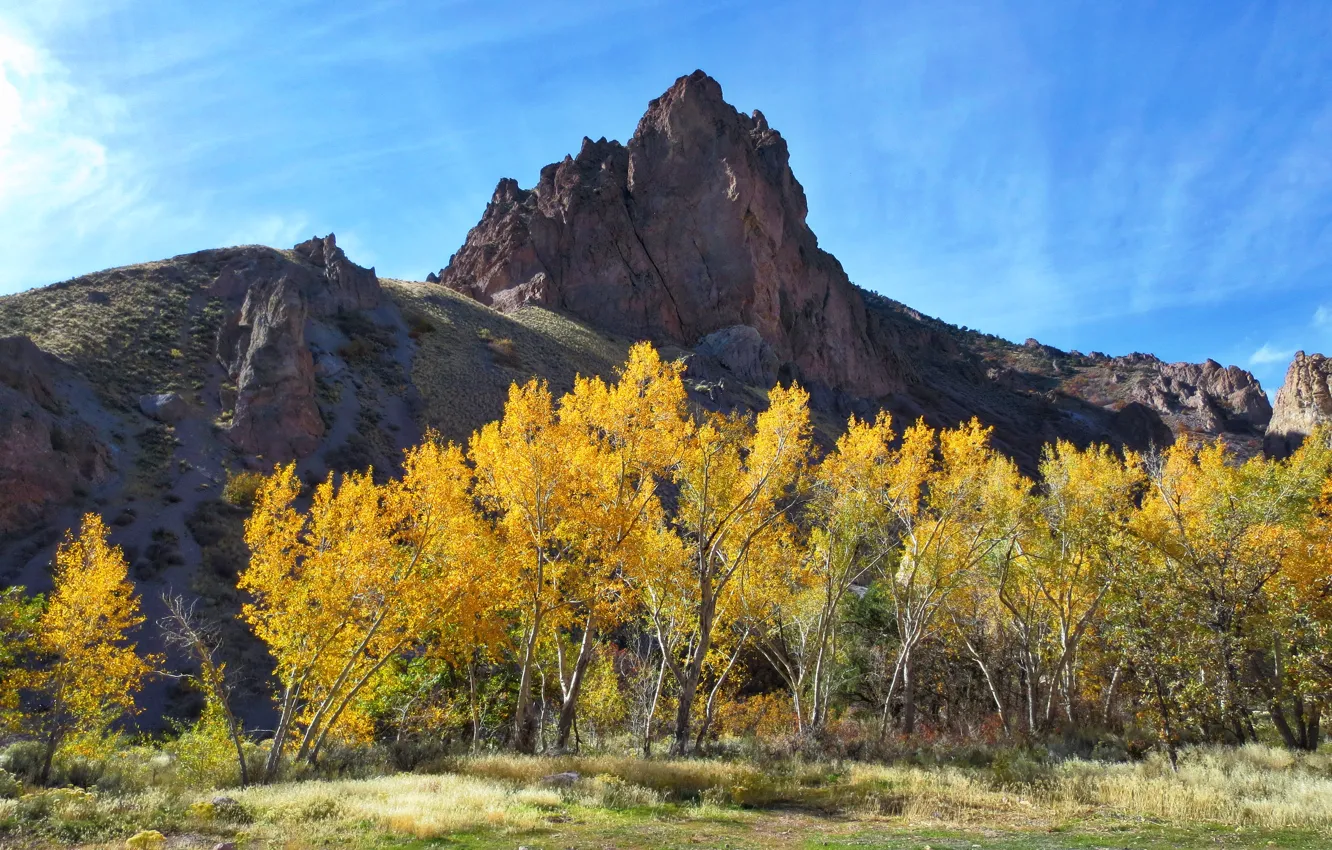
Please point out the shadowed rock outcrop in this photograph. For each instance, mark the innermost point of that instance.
(263, 344)
(696, 225)
(1303, 403)
(47, 453)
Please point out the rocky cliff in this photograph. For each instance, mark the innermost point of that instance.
(697, 224)
(1303, 403)
(694, 233)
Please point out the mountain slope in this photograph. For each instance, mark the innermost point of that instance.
(136, 392)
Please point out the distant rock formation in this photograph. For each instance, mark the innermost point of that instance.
(47, 452)
(1303, 403)
(1201, 398)
(694, 234)
(263, 348)
(696, 225)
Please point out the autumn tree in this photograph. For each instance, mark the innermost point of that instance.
(92, 668)
(341, 589)
(1073, 544)
(950, 502)
(736, 481)
(1298, 670)
(525, 479)
(1221, 531)
(796, 630)
(620, 439)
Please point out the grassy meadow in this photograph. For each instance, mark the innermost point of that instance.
(1254, 796)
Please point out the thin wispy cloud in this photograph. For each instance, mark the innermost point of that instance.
(1267, 354)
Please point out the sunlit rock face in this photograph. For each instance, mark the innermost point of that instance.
(1303, 403)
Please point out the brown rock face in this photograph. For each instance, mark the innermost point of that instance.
(46, 454)
(1205, 398)
(1303, 403)
(350, 287)
(696, 225)
(263, 347)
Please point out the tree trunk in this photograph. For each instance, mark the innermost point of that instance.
(569, 708)
(52, 742)
(523, 739)
(1288, 735)
(652, 709)
(692, 672)
(908, 699)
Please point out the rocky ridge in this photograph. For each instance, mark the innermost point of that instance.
(1303, 403)
(696, 225)
(694, 234)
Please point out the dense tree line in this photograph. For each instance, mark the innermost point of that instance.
(615, 559)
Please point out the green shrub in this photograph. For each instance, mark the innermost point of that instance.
(10, 786)
(23, 760)
(242, 488)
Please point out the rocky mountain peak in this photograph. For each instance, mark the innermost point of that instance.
(696, 225)
(1303, 403)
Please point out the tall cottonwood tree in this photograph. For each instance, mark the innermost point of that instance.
(1222, 531)
(92, 668)
(797, 630)
(525, 477)
(621, 438)
(340, 590)
(1072, 545)
(950, 502)
(736, 481)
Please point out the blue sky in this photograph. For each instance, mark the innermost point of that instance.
(1113, 176)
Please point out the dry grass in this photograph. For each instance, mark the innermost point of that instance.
(1252, 786)
(636, 803)
(129, 331)
(419, 806)
(464, 365)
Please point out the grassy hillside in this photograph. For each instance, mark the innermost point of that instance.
(468, 354)
(131, 330)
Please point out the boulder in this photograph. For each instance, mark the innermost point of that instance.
(1303, 403)
(741, 351)
(164, 407)
(561, 780)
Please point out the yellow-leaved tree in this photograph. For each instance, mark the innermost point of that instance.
(736, 480)
(93, 669)
(525, 478)
(950, 503)
(620, 439)
(1219, 532)
(797, 631)
(1050, 588)
(340, 590)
